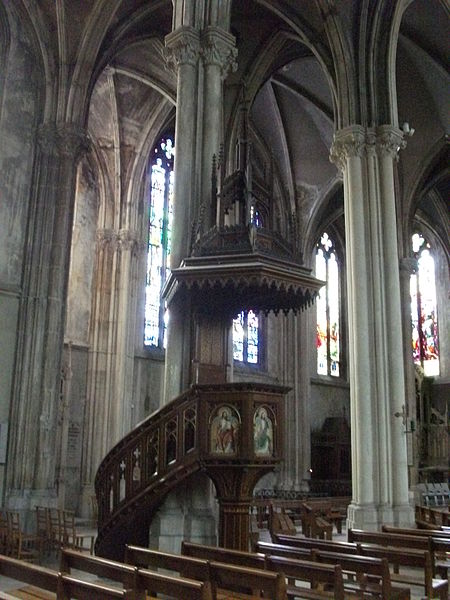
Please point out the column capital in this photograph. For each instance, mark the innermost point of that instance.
(128, 240)
(106, 237)
(356, 140)
(219, 48)
(389, 140)
(182, 47)
(63, 139)
(347, 142)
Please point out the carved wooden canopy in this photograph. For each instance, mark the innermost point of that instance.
(242, 268)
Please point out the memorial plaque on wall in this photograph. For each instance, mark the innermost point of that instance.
(73, 444)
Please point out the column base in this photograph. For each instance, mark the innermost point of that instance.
(371, 517)
(186, 514)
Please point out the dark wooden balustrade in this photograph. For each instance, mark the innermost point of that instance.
(232, 431)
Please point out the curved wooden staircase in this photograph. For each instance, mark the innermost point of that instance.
(180, 439)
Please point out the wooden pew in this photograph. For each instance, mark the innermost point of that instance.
(299, 570)
(65, 587)
(299, 542)
(440, 559)
(314, 574)
(186, 566)
(417, 542)
(176, 587)
(431, 518)
(280, 522)
(364, 566)
(138, 581)
(352, 560)
(101, 567)
(239, 571)
(70, 588)
(419, 559)
(412, 559)
(421, 532)
(252, 582)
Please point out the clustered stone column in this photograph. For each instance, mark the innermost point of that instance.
(408, 266)
(377, 384)
(201, 59)
(218, 55)
(183, 51)
(107, 417)
(41, 320)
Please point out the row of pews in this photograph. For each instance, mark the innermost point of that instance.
(370, 565)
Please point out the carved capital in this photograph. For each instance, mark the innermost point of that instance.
(218, 48)
(127, 239)
(182, 47)
(360, 141)
(347, 142)
(62, 140)
(389, 140)
(106, 237)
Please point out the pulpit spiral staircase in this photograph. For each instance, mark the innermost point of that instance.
(213, 428)
(233, 432)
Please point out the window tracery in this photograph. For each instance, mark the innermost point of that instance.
(159, 241)
(328, 329)
(425, 343)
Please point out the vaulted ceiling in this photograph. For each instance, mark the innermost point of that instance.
(285, 64)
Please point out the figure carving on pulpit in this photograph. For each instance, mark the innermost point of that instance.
(262, 433)
(224, 429)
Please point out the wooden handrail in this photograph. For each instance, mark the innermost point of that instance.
(175, 442)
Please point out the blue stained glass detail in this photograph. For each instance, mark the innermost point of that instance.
(246, 332)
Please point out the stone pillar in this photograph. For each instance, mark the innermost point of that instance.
(182, 52)
(218, 57)
(40, 340)
(408, 266)
(110, 371)
(376, 367)
(302, 387)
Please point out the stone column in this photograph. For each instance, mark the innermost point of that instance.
(98, 407)
(110, 371)
(377, 384)
(408, 266)
(182, 52)
(218, 56)
(40, 339)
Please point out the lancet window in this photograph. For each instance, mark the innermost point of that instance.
(425, 343)
(328, 336)
(159, 237)
(246, 326)
(246, 331)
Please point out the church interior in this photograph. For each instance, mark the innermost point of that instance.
(224, 262)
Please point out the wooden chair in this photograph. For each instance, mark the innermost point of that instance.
(3, 534)
(43, 528)
(55, 528)
(76, 538)
(21, 545)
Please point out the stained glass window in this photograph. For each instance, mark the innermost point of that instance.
(158, 256)
(423, 308)
(327, 338)
(246, 337)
